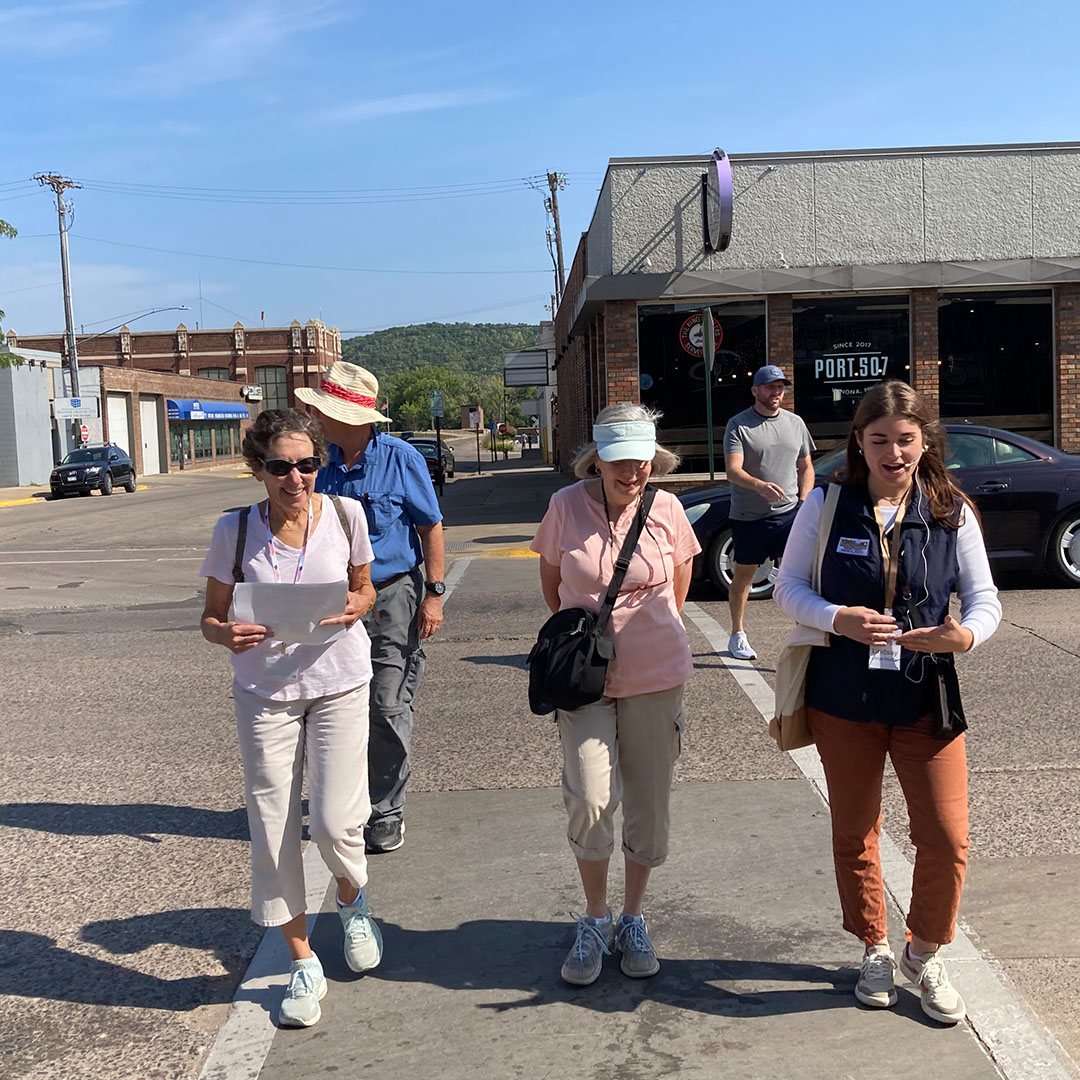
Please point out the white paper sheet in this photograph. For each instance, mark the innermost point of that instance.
(292, 612)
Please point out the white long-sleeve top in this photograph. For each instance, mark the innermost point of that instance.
(980, 609)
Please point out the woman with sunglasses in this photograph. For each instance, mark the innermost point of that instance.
(298, 703)
(624, 746)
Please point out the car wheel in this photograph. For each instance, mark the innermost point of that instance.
(129, 483)
(106, 484)
(1063, 555)
(720, 566)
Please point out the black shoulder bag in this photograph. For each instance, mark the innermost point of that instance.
(568, 663)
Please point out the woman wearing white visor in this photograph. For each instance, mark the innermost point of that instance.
(623, 747)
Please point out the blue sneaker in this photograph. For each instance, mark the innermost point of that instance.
(638, 955)
(363, 938)
(307, 987)
(592, 942)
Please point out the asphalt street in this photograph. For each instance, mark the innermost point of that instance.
(123, 902)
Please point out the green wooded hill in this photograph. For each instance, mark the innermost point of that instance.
(462, 360)
(471, 348)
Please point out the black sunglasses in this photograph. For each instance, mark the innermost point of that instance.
(280, 467)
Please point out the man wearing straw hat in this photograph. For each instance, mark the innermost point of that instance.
(390, 478)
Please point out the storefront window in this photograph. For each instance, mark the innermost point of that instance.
(223, 447)
(672, 369)
(843, 347)
(201, 438)
(179, 443)
(996, 356)
(275, 391)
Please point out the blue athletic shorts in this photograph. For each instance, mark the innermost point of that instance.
(758, 541)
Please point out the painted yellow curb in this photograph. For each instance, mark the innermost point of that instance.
(21, 502)
(508, 553)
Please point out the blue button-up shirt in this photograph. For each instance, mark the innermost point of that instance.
(391, 481)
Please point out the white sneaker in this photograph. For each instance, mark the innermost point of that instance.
(307, 987)
(875, 986)
(940, 1000)
(739, 647)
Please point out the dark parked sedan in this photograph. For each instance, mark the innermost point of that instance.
(427, 448)
(98, 467)
(1028, 494)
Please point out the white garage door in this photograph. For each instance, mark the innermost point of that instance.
(151, 435)
(119, 421)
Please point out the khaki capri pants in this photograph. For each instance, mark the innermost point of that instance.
(277, 738)
(621, 750)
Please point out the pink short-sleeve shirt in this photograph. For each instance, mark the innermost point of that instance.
(651, 649)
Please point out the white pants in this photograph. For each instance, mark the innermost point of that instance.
(276, 737)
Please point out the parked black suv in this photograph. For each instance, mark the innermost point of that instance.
(99, 466)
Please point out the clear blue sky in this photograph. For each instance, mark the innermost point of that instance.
(276, 103)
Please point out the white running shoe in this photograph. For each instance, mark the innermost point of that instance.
(876, 986)
(739, 647)
(940, 1000)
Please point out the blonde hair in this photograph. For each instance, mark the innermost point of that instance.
(663, 462)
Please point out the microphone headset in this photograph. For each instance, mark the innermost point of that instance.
(913, 464)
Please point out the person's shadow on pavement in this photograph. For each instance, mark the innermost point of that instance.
(524, 957)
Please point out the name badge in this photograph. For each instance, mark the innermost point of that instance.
(885, 657)
(849, 546)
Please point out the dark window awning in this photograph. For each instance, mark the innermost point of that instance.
(191, 409)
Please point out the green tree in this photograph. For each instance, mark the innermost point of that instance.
(7, 359)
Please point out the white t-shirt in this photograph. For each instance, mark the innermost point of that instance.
(341, 665)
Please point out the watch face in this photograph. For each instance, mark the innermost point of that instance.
(436, 588)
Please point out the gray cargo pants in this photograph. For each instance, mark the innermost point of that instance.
(397, 663)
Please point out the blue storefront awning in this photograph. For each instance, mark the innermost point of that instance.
(191, 409)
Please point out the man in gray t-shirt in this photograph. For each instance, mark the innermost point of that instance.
(767, 458)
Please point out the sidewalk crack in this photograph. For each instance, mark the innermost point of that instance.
(1034, 633)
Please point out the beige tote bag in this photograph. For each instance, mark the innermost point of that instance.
(788, 726)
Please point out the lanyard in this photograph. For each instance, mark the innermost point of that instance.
(272, 554)
(891, 551)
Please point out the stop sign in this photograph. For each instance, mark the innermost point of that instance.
(84, 433)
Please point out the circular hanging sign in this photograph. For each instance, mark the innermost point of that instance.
(719, 202)
(692, 335)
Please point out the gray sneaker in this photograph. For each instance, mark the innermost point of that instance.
(638, 955)
(307, 987)
(595, 939)
(876, 986)
(363, 938)
(940, 999)
(739, 646)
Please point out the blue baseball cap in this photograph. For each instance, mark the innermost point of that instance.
(770, 373)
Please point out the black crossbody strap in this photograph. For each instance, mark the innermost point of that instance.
(622, 563)
(241, 541)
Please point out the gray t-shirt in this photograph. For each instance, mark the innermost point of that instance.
(770, 446)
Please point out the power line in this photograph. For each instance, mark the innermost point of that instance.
(454, 314)
(30, 288)
(298, 266)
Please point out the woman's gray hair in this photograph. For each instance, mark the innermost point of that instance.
(271, 424)
(663, 462)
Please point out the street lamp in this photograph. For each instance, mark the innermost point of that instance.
(73, 363)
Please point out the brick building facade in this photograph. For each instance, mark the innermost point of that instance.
(276, 358)
(956, 269)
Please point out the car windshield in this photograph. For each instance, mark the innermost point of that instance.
(81, 457)
(427, 449)
(964, 449)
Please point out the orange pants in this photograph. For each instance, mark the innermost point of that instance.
(933, 775)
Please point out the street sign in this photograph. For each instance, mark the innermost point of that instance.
(76, 408)
(84, 433)
(475, 416)
(436, 403)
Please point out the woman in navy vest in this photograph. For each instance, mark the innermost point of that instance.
(902, 540)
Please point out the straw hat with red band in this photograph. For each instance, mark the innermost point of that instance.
(348, 393)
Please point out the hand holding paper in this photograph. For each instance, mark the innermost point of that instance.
(299, 614)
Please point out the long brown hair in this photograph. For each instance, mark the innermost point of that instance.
(895, 398)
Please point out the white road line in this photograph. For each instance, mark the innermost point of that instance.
(243, 1041)
(1002, 1021)
(97, 551)
(70, 562)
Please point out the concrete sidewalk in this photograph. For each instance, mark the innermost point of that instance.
(756, 978)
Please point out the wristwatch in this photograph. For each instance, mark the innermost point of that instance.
(435, 588)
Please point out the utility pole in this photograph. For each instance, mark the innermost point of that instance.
(557, 181)
(60, 185)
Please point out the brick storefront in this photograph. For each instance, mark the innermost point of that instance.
(276, 358)
(1067, 333)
